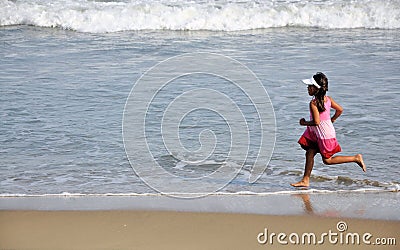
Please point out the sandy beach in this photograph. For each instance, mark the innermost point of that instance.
(183, 230)
(320, 221)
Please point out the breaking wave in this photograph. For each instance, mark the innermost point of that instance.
(217, 15)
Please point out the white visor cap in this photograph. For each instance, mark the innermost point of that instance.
(311, 81)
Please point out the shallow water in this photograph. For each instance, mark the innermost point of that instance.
(63, 95)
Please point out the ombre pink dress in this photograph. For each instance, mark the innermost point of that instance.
(323, 136)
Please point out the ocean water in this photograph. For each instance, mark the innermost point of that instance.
(68, 68)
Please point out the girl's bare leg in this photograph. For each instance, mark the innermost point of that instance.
(344, 159)
(305, 182)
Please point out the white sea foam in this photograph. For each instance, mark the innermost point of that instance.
(217, 15)
(227, 194)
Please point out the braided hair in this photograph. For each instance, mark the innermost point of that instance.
(322, 81)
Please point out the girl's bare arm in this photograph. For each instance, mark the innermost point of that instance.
(315, 114)
(338, 109)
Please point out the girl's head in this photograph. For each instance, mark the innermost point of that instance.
(319, 93)
(322, 81)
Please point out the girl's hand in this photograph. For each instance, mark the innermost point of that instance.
(303, 122)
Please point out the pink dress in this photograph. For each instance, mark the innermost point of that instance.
(323, 136)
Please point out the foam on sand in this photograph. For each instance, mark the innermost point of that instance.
(363, 204)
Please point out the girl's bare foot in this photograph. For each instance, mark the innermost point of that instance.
(301, 183)
(360, 162)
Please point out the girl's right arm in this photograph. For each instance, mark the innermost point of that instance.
(338, 108)
(315, 116)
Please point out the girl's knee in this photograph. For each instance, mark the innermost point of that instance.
(327, 161)
(311, 151)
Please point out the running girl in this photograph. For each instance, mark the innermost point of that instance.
(320, 135)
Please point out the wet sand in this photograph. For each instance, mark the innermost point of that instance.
(213, 222)
(115, 229)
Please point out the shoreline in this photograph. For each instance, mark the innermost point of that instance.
(212, 222)
(364, 205)
(116, 229)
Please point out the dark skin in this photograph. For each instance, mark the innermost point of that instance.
(311, 152)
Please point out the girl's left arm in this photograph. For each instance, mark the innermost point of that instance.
(338, 109)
